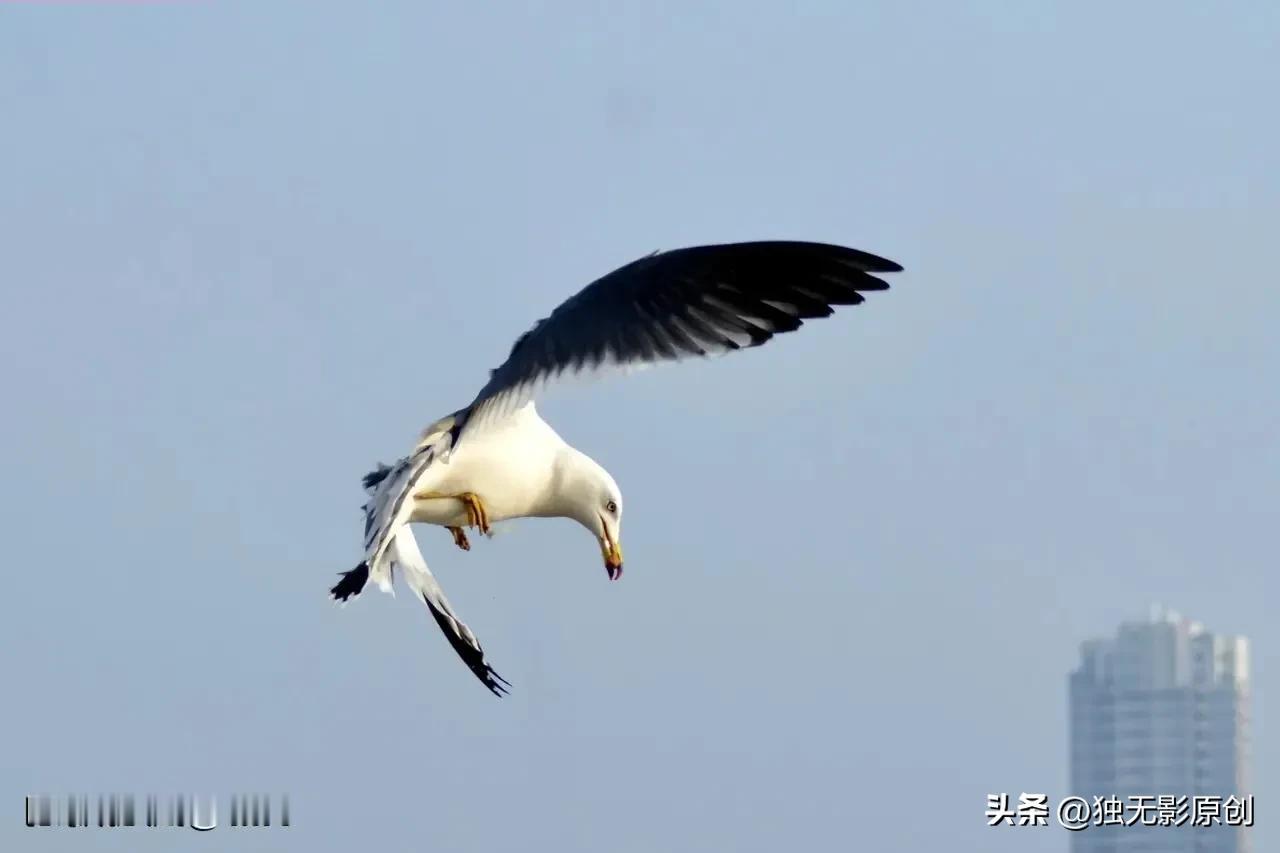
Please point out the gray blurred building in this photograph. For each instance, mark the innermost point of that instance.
(1162, 709)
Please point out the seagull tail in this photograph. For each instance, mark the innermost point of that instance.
(352, 583)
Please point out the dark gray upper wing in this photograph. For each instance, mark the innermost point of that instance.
(687, 302)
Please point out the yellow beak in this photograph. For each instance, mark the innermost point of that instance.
(612, 557)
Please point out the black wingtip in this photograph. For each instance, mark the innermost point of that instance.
(497, 685)
(472, 656)
(352, 583)
(376, 476)
(884, 265)
(864, 261)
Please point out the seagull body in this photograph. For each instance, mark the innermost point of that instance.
(496, 459)
(512, 464)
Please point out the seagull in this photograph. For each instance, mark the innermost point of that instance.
(496, 459)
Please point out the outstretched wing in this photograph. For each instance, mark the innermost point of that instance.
(406, 555)
(697, 301)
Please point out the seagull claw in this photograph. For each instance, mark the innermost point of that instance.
(477, 516)
(460, 538)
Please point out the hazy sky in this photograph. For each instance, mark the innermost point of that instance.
(250, 249)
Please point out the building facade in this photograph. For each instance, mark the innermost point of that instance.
(1159, 718)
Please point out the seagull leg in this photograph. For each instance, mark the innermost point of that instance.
(475, 511)
(460, 538)
(477, 516)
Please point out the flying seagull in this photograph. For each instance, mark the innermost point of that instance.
(496, 459)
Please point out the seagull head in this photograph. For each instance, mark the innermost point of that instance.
(590, 497)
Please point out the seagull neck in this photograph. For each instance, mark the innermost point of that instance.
(574, 481)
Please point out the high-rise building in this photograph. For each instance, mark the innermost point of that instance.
(1162, 710)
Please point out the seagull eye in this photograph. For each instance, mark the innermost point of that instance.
(611, 507)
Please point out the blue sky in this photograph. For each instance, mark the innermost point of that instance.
(250, 250)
